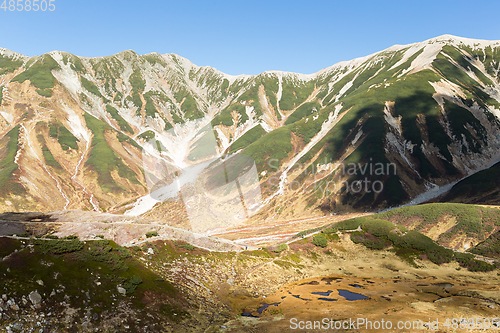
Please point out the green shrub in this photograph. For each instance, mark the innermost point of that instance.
(40, 72)
(8, 65)
(65, 138)
(280, 248)
(332, 237)
(150, 234)
(90, 87)
(320, 240)
(103, 159)
(329, 230)
(248, 138)
(189, 247)
(9, 183)
(131, 285)
(124, 126)
(306, 232)
(148, 135)
(45, 93)
(124, 253)
(59, 246)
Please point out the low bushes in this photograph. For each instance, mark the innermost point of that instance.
(320, 240)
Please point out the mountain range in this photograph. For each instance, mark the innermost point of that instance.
(403, 125)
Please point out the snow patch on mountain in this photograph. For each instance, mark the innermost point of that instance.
(407, 55)
(457, 41)
(66, 75)
(389, 118)
(178, 140)
(445, 88)
(401, 146)
(189, 175)
(290, 75)
(279, 93)
(13, 55)
(75, 124)
(423, 60)
(356, 138)
(9, 118)
(346, 87)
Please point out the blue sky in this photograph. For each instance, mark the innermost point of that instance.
(244, 37)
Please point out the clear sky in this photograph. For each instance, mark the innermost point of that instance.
(244, 37)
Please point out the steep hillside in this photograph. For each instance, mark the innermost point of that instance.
(480, 188)
(457, 226)
(369, 133)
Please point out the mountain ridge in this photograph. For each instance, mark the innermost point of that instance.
(440, 96)
(395, 47)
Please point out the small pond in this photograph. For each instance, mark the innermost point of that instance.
(350, 296)
(322, 293)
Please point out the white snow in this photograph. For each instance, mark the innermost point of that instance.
(13, 55)
(66, 75)
(356, 138)
(266, 127)
(407, 55)
(423, 60)
(224, 141)
(291, 75)
(389, 118)
(445, 88)
(279, 93)
(474, 43)
(147, 202)
(346, 87)
(401, 147)
(75, 124)
(179, 139)
(7, 116)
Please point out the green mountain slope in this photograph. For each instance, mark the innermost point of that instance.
(369, 133)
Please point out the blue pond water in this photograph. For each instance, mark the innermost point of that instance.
(265, 306)
(327, 299)
(323, 293)
(356, 285)
(246, 314)
(304, 299)
(350, 296)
